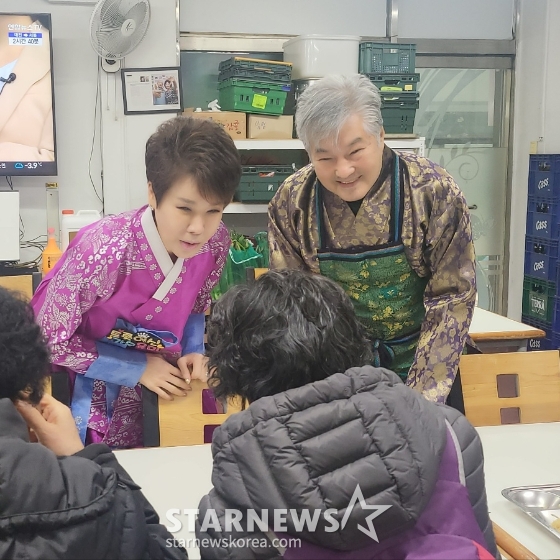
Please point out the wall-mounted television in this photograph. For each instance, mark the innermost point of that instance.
(27, 132)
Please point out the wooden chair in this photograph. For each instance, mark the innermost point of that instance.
(510, 548)
(511, 388)
(26, 284)
(182, 421)
(23, 283)
(254, 273)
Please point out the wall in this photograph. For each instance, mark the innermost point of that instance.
(75, 67)
(289, 17)
(431, 19)
(536, 116)
(445, 19)
(125, 136)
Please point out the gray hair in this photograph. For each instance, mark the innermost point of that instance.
(324, 107)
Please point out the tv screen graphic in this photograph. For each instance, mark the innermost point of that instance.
(27, 134)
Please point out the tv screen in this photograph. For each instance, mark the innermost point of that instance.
(27, 135)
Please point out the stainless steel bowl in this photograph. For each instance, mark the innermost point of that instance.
(534, 499)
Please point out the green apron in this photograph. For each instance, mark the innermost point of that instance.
(387, 294)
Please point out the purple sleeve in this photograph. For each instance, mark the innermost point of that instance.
(83, 277)
(447, 249)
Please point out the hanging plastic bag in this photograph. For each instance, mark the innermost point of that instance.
(261, 240)
(242, 255)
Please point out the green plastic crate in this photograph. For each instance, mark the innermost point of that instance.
(252, 97)
(387, 58)
(260, 183)
(255, 69)
(398, 121)
(395, 82)
(538, 299)
(398, 110)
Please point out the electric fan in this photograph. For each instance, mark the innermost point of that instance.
(116, 29)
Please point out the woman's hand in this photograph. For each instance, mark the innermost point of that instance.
(163, 379)
(193, 366)
(53, 425)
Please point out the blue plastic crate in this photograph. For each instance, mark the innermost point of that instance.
(542, 218)
(541, 258)
(545, 343)
(544, 176)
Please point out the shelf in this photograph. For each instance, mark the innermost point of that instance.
(269, 144)
(240, 208)
(395, 141)
(402, 142)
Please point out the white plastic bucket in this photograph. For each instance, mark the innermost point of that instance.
(70, 224)
(316, 56)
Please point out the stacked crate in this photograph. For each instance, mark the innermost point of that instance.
(390, 66)
(252, 85)
(259, 87)
(541, 296)
(259, 183)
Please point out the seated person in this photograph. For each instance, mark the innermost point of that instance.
(59, 500)
(323, 432)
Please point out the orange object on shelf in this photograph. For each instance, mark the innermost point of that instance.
(52, 252)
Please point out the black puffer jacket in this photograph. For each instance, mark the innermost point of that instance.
(79, 507)
(309, 447)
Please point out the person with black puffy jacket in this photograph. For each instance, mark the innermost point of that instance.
(333, 458)
(59, 500)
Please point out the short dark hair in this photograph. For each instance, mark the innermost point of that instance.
(24, 355)
(285, 330)
(198, 148)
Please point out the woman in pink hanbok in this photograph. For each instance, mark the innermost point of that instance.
(125, 304)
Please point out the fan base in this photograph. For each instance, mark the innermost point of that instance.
(110, 65)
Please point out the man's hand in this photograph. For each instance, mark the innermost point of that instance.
(53, 424)
(193, 366)
(163, 379)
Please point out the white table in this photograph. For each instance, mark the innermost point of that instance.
(515, 455)
(171, 478)
(521, 455)
(491, 331)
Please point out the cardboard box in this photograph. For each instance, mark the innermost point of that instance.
(270, 127)
(234, 122)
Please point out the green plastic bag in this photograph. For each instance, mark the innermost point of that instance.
(242, 255)
(261, 240)
(242, 259)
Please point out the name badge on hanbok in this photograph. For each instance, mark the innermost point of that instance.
(126, 335)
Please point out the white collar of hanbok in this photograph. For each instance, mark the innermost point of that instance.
(170, 269)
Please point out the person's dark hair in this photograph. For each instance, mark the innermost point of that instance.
(24, 355)
(285, 330)
(200, 149)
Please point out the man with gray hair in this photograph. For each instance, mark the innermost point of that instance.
(391, 227)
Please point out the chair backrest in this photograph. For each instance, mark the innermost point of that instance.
(26, 284)
(511, 388)
(186, 420)
(254, 273)
(22, 283)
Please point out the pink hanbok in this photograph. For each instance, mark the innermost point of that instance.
(114, 296)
